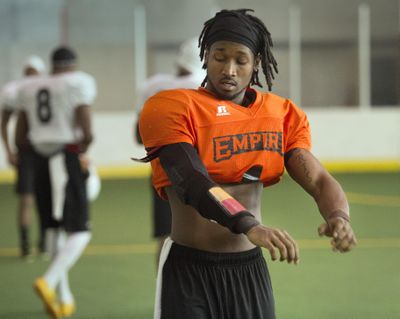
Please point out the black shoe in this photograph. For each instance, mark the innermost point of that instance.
(26, 254)
(25, 251)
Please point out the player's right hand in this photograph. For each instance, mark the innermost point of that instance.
(275, 239)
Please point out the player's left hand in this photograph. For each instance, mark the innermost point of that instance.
(343, 238)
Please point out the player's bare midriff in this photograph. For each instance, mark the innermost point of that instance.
(190, 229)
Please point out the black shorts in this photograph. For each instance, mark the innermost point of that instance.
(161, 216)
(76, 209)
(25, 173)
(203, 285)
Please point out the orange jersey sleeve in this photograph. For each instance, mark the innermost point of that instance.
(296, 128)
(165, 119)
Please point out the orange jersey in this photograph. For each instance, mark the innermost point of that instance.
(229, 138)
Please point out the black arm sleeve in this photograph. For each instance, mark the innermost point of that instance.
(191, 182)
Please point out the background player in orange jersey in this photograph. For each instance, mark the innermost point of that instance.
(211, 157)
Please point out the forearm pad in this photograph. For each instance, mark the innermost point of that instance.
(194, 187)
(218, 205)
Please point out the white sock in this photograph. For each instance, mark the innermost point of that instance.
(63, 290)
(66, 257)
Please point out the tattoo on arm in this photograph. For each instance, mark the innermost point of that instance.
(302, 162)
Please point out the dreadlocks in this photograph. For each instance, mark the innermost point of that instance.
(239, 26)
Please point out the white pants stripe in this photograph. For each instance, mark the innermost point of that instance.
(58, 180)
(163, 257)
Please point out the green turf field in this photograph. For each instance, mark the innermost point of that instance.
(115, 278)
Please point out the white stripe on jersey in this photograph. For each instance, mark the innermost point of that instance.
(50, 103)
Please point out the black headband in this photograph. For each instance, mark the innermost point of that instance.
(235, 29)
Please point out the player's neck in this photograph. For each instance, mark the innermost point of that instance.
(58, 70)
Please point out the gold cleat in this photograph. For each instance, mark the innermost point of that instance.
(67, 310)
(48, 297)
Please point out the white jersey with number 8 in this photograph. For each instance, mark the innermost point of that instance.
(50, 102)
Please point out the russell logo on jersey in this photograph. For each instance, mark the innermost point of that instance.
(222, 111)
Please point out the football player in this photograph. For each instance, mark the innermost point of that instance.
(56, 120)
